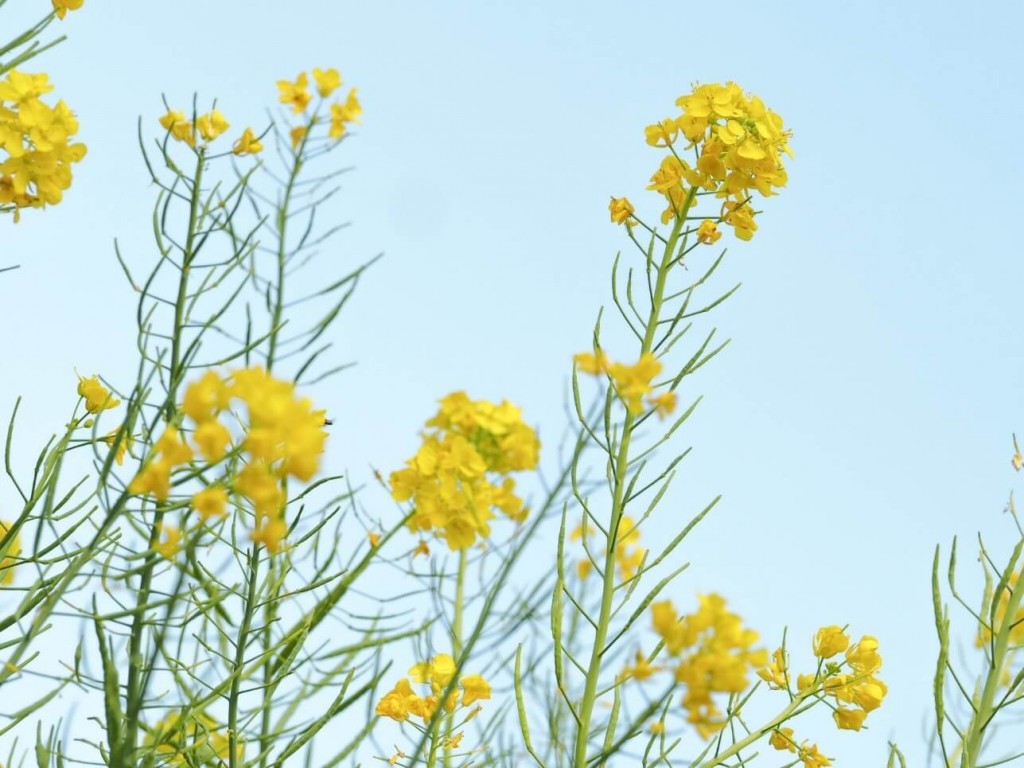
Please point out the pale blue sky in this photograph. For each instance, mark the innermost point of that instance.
(864, 408)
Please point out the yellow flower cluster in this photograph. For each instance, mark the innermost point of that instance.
(808, 754)
(628, 554)
(738, 145)
(36, 152)
(283, 437)
(192, 740)
(449, 480)
(61, 7)
(10, 559)
(207, 127)
(714, 652)
(631, 382)
(296, 94)
(402, 701)
(857, 687)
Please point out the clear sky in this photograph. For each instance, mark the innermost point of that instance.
(862, 412)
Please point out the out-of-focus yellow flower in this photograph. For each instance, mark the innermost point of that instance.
(327, 81)
(297, 134)
(212, 439)
(664, 404)
(592, 363)
(195, 739)
(621, 210)
(374, 539)
(211, 125)
(13, 550)
(123, 446)
(97, 397)
(211, 502)
(247, 144)
(154, 478)
(61, 7)
(402, 701)
(632, 382)
(295, 93)
(640, 669)
(454, 741)
(271, 534)
(170, 541)
(343, 114)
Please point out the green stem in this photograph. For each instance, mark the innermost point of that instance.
(176, 373)
(457, 620)
(586, 710)
(987, 708)
(240, 646)
(281, 221)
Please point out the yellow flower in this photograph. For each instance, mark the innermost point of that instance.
(212, 438)
(621, 210)
(592, 363)
(707, 232)
(327, 81)
(192, 740)
(211, 125)
(10, 558)
(61, 7)
(396, 703)
(211, 502)
(664, 404)
(374, 539)
(775, 673)
(662, 134)
(1017, 461)
(640, 669)
(342, 114)
(169, 542)
(863, 656)
(439, 670)
(297, 134)
(97, 397)
(154, 478)
(271, 534)
(811, 757)
(454, 741)
(849, 719)
(180, 129)
(782, 739)
(247, 144)
(829, 641)
(632, 382)
(172, 447)
(295, 93)
(123, 446)
(421, 549)
(474, 688)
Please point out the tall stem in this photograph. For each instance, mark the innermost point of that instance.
(457, 620)
(621, 465)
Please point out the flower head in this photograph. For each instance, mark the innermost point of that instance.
(295, 92)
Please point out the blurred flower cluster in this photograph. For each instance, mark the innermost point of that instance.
(282, 436)
(402, 701)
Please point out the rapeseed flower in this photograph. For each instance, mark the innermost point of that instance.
(461, 472)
